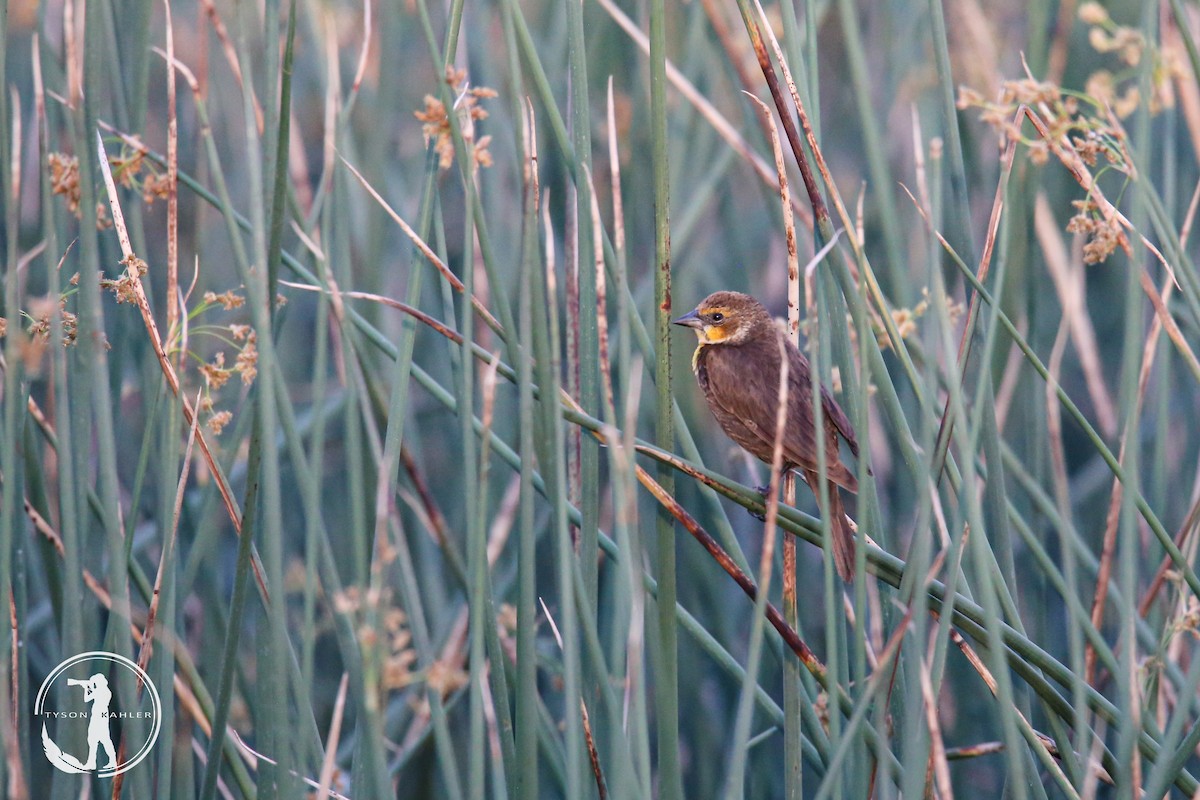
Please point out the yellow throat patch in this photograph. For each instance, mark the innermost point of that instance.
(709, 334)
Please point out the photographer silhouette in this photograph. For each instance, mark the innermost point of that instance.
(96, 692)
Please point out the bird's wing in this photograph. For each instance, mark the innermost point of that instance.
(801, 437)
(834, 412)
(734, 394)
(801, 376)
(745, 389)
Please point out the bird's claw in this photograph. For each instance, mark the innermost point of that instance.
(764, 490)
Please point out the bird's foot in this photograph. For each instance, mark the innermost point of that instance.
(764, 491)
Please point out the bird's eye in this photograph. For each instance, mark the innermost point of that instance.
(718, 317)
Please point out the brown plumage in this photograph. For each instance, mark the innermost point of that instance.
(737, 364)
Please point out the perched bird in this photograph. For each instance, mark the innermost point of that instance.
(737, 364)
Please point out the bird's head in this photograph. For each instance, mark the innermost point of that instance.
(727, 318)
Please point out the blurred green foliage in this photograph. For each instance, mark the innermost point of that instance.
(443, 561)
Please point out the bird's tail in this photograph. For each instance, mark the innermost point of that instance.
(843, 535)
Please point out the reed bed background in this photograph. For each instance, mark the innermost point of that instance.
(369, 416)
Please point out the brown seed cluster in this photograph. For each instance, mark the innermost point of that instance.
(216, 372)
(435, 124)
(1103, 236)
(217, 420)
(64, 179)
(124, 288)
(126, 166)
(33, 341)
(155, 186)
(133, 170)
(905, 320)
(130, 169)
(399, 657)
(387, 626)
(228, 300)
(39, 313)
(1086, 126)
(1130, 48)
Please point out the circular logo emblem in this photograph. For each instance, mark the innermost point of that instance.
(78, 701)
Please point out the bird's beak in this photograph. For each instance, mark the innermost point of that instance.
(690, 320)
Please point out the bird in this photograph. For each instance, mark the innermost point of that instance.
(737, 364)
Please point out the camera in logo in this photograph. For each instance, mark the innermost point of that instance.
(78, 702)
